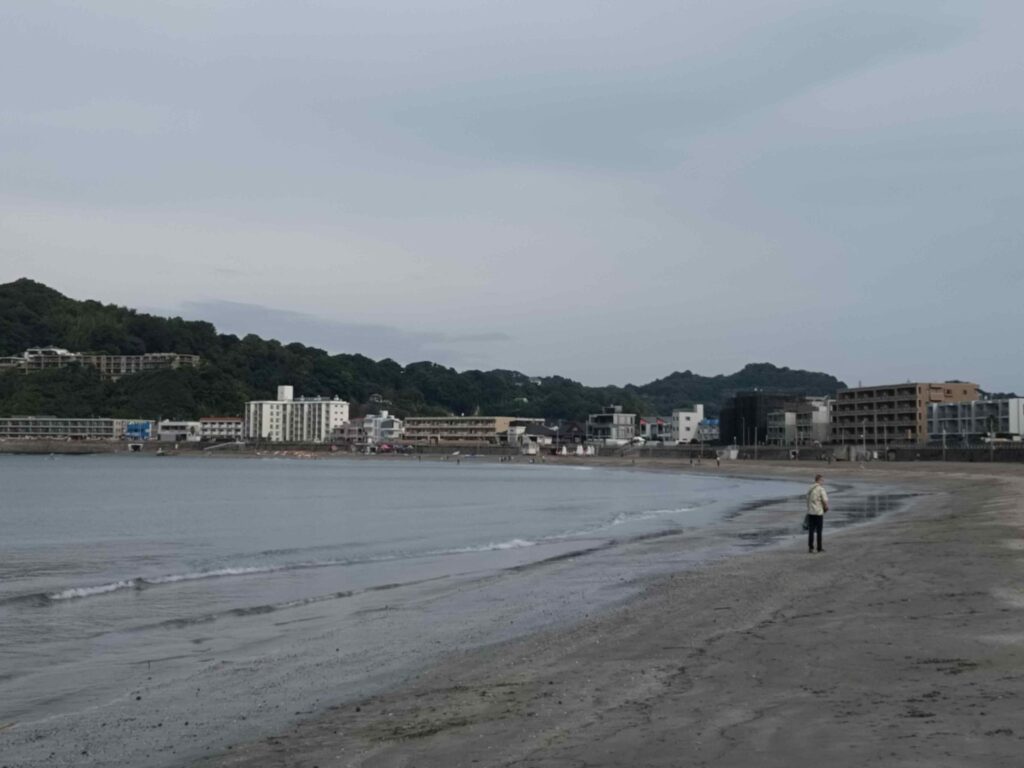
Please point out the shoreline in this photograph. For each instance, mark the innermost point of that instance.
(907, 651)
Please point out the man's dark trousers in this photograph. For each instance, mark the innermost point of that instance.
(815, 523)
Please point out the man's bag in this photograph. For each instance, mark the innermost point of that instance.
(807, 522)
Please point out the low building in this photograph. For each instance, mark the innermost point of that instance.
(976, 421)
(55, 428)
(708, 431)
(439, 430)
(893, 414)
(171, 431)
(656, 429)
(294, 420)
(140, 430)
(218, 428)
(611, 426)
(111, 367)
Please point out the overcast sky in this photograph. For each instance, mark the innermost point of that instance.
(605, 190)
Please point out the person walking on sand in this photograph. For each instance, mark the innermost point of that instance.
(817, 506)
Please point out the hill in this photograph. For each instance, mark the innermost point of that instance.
(239, 369)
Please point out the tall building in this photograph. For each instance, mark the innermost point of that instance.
(291, 420)
(893, 414)
(974, 421)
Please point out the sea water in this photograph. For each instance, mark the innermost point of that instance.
(126, 575)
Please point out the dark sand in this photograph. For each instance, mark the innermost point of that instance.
(902, 645)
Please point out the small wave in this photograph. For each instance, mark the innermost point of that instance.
(650, 514)
(492, 547)
(77, 592)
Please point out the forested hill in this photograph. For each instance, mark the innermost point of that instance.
(239, 369)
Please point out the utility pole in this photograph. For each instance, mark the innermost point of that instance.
(943, 443)
(755, 443)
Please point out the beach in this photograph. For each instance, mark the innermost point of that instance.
(901, 645)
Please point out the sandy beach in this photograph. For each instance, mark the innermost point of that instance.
(902, 644)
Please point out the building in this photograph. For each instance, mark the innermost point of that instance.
(656, 428)
(171, 431)
(291, 420)
(611, 425)
(383, 428)
(686, 424)
(893, 414)
(709, 431)
(221, 428)
(140, 430)
(53, 428)
(111, 367)
(976, 421)
(804, 422)
(462, 429)
(744, 418)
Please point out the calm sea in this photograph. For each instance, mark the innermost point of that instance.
(124, 573)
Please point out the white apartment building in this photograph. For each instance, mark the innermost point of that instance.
(383, 428)
(686, 424)
(975, 420)
(291, 420)
(221, 428)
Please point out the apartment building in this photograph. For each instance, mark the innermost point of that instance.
(975, 421)
(294, 420)
(893, 414)
(221, 428)
(54, 428)
(462, 429)
(803, 422)
(611, 426)
(686, 424)
(110, 366)
(113, 367)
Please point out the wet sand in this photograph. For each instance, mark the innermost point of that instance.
(901, 645)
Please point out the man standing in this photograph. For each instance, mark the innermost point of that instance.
(817, 506)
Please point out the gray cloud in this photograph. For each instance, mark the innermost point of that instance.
(337, 336)
(619, 190)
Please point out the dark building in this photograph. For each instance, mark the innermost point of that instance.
(744, 418)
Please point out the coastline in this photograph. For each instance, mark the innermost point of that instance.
(906, 650)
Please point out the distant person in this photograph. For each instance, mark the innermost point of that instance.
(817, 506)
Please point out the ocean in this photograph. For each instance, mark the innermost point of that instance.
(220, 596)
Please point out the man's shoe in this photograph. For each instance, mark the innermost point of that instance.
(821, 550)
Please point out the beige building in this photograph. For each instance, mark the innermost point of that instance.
(110, 366)
(116, 366)
(53, 428)
(462, 429)
(893, 414)
(221, 427)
